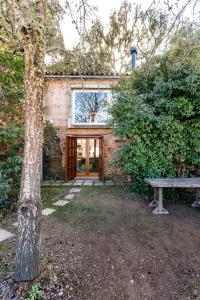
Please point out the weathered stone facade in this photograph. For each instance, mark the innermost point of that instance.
(58, 110)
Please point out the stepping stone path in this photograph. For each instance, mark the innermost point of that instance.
(82, 182)
(109, 182)
(47, 211)
(4, 235)
(88, 183)
(69, 197)
(98, 183)
(67, 183)
(74, 190)
(78, 182)
(61, 202)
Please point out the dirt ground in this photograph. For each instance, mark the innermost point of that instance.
(106, 244)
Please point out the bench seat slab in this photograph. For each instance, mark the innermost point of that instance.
(174, 182)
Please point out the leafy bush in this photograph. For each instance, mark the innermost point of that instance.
(5, 187)
(10, 172)
(158, 111)
(36, 292)
(11, 168)
(11, 121)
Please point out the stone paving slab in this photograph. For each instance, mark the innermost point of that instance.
(69, 197)
(47, 211)
(4, 235)
(81, 182)
(78, 182)
(15, 224)
(61, 202)
(57, 183)
(74, 190)
(88, 183)
(109, 182)
(98, 183)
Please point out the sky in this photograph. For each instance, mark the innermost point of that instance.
(105, 7)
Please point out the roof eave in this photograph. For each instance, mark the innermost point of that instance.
(52, 76)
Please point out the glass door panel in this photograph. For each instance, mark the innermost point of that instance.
(81, 157)
(87, 157)
(93, 156)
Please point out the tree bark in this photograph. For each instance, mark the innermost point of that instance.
(29, 209)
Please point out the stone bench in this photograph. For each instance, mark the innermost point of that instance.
(159, 184)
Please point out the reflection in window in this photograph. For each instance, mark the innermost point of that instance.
(91, 107)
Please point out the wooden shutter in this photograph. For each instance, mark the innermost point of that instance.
(70, 171)
(101, 159)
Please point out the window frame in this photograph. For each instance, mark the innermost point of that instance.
(91, 90)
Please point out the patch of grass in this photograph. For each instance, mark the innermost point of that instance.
(85, 216)
(51, 194)
(45, 258)
(7, 267)
(96, 208)
(3, 248)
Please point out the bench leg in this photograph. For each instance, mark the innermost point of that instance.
(154, 203)
(160, 209)
(196, 203)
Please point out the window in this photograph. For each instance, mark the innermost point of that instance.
(91, 107)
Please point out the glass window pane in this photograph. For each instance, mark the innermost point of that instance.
(81, 155)
(94, 155)
(91, 107)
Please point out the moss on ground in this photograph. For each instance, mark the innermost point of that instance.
(102, 209)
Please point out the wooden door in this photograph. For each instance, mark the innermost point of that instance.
(101, 159)
(70, 172)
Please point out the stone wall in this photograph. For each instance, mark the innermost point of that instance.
(57, 105)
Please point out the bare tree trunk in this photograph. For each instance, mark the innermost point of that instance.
(29, 210)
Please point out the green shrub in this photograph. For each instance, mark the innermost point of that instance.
(10, 172)
(12, 168)
(157, 110)
(5, 187)
(11, 133)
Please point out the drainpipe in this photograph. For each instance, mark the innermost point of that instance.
(133, 58)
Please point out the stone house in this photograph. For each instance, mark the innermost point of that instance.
(78, 107)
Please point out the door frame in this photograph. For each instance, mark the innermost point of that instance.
(101, 153)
